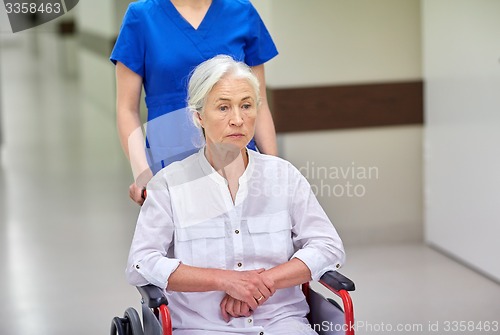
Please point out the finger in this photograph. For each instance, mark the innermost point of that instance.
(269, 284)
(252, 303)
(266, 285)
(134, 194)
(263, 292)
(223, 304)
(237, 308)
(230, 307)
(245, 309)
(138, 196)
(137, 200)
(258, 296)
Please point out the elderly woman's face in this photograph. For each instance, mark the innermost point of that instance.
(229, 113)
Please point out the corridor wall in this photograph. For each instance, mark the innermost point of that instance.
(332, 45)
(462, 136)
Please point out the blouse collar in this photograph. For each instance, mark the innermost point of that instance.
(214, 175)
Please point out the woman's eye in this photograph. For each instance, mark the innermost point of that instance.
(247, 106)
(223, 108)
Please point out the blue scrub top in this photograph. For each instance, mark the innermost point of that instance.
(157, 43)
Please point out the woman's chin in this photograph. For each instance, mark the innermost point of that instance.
(238, 142)
(229, 145)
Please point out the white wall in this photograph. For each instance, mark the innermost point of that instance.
(57, 52)
(97, 17)
(462, 137)
(97, 74)
(97, 78)
(324, 42)
(369, 181)
(336, 42)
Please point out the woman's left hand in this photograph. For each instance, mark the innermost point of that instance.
(231, 307)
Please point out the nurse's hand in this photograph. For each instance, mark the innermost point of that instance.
(136, 193)
(137, 190)
(231, 307)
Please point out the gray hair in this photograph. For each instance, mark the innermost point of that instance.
(210, 72)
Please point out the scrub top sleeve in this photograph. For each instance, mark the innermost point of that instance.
(129, 48)
(259, 45)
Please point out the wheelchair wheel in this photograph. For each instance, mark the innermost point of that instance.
(117, 326)
(134, 326)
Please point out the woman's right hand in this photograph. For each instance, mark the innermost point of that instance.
(231, 307)
(248, 286)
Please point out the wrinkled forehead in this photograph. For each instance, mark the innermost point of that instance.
(233, 88)
(234, 85)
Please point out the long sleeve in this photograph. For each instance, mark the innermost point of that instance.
(148, 260)
(314, 237)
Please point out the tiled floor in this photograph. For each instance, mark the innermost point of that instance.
(66, 224)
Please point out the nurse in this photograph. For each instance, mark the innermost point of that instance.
(159, 44)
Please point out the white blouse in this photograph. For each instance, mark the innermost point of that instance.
(189, 217)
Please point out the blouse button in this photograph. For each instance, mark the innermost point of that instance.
(261, 333)
(137, 266)
(236, 231)
(249, 320)
(239, 265)
(337, 266)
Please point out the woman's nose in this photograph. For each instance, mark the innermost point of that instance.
(236, 118)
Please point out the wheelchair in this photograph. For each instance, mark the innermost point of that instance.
(323, 317)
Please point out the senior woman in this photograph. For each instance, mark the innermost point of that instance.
(228, 232)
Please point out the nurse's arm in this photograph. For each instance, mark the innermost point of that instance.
(128, 95)
(265, 134)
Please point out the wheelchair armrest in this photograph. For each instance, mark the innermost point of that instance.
(338, 281)
(153, 296)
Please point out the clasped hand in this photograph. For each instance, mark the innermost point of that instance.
(245, 291)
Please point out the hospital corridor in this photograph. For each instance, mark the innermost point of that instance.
(395, 197)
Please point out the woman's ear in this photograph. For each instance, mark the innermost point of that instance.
(200, 120)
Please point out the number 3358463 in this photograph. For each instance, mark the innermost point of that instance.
(32, 8)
